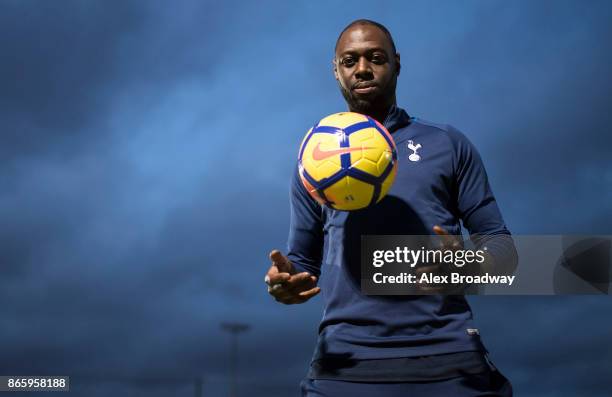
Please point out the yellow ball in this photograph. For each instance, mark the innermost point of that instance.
(347, 161)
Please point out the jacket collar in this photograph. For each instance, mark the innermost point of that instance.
(396, 119)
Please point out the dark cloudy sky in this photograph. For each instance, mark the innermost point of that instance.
(146, 147)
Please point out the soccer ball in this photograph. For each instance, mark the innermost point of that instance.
(347, 161)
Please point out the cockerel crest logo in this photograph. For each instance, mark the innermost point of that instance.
(414, 156)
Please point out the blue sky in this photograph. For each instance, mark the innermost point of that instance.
(146, 149)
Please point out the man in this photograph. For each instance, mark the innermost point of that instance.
(417, 345)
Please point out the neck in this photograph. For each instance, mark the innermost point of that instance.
(378, 114)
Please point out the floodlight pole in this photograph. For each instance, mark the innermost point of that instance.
(234, 329)
(198, 387)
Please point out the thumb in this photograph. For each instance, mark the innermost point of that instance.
(440, 231)
(281, 262)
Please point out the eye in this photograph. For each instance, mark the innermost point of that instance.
(348, 61)
(379, 59)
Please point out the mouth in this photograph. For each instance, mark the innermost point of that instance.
(364, 88)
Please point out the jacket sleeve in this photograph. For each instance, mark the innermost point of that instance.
(305, 242)
(478, 208)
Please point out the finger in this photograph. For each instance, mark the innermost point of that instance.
(279, 292)
(440, 231)
(428, 269)
(280, 261)
(448, 241)
(310, 293)
(303, 298)
(301, 285)
(444, 236)
(452, 242)
(274, 288)
(275, 277)
(300, 278)
(282, 290)
(436, 267)
(294, 287)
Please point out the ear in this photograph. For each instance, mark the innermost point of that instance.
(398, 63)
(335, 68)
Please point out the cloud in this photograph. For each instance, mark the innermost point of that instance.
(146, 155)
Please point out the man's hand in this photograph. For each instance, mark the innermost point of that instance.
(447, 242)
(285, 285)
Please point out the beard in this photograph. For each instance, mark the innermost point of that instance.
(372, 104)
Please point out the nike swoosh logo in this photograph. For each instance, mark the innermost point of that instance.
(318, 154)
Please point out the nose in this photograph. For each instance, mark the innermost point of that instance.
(363, 70)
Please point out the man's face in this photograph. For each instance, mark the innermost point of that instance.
(366, 69)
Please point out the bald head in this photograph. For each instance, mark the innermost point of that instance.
(362, 22)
